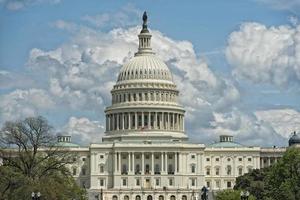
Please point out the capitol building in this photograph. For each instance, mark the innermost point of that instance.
(145, 153)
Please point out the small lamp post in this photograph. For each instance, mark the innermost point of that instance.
(35, 196)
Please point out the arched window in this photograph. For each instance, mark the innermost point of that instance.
(228, 170)
(172, 197)
(217, 171)
(207, 171)
(161, 197)
(137, 197)
(115, 197)
(240, 171)
(184, 197)
(149, 197)
(126, 197)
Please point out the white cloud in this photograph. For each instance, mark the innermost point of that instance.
(23, 103)
(245, 128)
(265, 54)
(126, 16)
(79, 74)
(84, 131)
(284, 121)
(15, 5)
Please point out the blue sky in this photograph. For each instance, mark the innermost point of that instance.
(247, 48)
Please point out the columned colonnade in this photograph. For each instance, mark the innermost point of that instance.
(167, 162)
(145, 120)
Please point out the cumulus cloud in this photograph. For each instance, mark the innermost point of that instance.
(284, 121)
(15, 5)
(246, 128)
(126, 16)
(79, 74)
(83, 130)
(264, 54)
(23, 103)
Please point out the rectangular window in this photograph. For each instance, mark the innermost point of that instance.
(83, 159)
(193, 156)
(83, 171)
(74, 171)
(137, 182)
(193, 182)
(124, 181)
(240, 159)
(217, 159)
(240, 171)
(249, 159)
(101, 169)
(170, 182)
(218, 184)
(208, 184)
(101, 182)
(228, 184)
(207, 171)
(207, 159)
(217, 171)
(101, 156)
(157, 182)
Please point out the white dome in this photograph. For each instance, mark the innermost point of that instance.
(145, 67)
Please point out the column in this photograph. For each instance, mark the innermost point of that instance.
(136, 120)
(129, 120)
(166, 162)
(133, 165)
(182, 122)
(168, 119)
(177, 121)
(115, 163)
(180, 162)
(149, 120)
(119, 167)
(155, 120)
(106, 122)
(113, 121)
(152, 162)
(123, 121)
(118, 121)
(269, 161)
(175, 168)
(142, 119)
(173, 121)
(162, 162)
(129, 162)
(143, 163)
(161, 120)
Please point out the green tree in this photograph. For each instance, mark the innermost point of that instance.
(231, 195)
(33, 162)
(253, 182)
(283, 179)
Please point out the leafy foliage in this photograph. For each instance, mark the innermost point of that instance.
(280, 181)
(32, 162)
(231, 195)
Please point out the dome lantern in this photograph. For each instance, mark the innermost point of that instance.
(144, 38)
